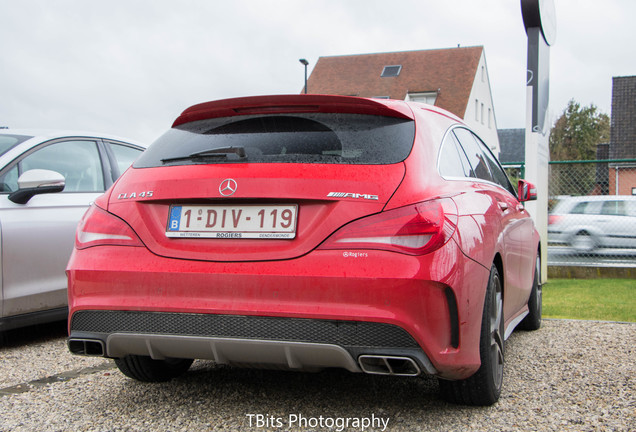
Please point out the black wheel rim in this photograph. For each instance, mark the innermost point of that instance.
(496, 336)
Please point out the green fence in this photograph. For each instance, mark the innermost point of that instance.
(580, 178)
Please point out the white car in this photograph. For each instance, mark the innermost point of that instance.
(47, 180)
(587, 223)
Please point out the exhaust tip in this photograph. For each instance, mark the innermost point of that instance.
(389, 365)
(86, 347)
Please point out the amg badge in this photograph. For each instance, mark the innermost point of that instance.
(352, 195)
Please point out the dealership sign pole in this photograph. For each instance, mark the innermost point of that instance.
(539, 20)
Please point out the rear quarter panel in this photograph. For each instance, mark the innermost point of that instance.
(422, 181)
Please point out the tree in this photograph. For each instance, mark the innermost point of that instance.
(574, 137)
(577, 132)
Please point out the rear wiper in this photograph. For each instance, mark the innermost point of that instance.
(218, 152)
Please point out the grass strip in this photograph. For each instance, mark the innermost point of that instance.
(590, 299)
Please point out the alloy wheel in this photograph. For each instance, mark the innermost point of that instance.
(496, 333)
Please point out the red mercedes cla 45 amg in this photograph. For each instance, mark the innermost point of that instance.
(309, 232)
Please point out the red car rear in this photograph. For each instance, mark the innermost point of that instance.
(308, 232)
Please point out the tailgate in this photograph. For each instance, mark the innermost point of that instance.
(313, 201)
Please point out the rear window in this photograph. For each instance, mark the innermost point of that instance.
(7, 142)
(299, 138)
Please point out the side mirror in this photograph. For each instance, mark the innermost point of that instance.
(36, 182)
(527, 191)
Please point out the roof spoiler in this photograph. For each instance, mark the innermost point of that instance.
(286, 104)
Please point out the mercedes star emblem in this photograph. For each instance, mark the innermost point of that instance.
(228, 187)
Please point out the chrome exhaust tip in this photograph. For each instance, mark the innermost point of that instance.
(86, 347)
(388, 365)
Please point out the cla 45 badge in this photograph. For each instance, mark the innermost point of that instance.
(126, 195)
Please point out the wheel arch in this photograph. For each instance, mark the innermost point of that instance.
(498, 262)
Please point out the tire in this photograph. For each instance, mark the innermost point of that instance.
(583, 242)
(143, 368)
(532, 321)
(484, 387)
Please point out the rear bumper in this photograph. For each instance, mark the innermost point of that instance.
(290, 343)
(326, 309)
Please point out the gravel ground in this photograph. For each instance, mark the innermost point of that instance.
(570, 375)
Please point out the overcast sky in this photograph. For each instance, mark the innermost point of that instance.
(129, 67)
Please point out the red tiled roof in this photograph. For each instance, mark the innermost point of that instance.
(452, 71)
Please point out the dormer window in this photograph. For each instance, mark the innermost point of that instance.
(423, 97)
(391, 71)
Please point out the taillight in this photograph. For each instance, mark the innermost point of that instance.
(98, 228)
(552, 219)
(415, 229)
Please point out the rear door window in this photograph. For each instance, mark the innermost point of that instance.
(594, 207)
(498, 174)
(300, 138)
(483, 162)
(476, 157)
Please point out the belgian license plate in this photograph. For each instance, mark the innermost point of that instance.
(233, 221)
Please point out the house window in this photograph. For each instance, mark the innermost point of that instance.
(483, 74)
(423, 97)
(476, 110)
(489, 118)
(391, 71)
(482, 113)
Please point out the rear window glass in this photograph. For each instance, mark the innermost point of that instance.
(299, 138)
(7, 142)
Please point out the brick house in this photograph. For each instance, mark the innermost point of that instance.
(622, 176)
(455, 79)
